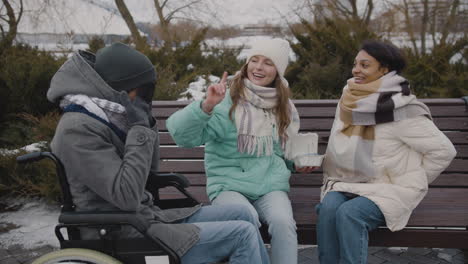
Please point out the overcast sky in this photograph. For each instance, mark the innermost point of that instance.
(230, 12)
(101, 16)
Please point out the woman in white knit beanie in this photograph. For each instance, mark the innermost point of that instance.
(245, 132)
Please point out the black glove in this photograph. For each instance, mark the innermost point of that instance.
(138, 111)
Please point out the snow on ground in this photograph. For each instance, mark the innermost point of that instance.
(29, 148)
(35, 221)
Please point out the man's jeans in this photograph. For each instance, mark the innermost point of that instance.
(343, 228)
(275, 209)
(226, 232)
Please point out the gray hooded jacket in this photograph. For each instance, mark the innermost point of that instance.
(105, 173)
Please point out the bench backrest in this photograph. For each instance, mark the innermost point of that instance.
(446, 204)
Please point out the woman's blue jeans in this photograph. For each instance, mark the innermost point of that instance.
(226, 232)
(343, 228)
(274, 209)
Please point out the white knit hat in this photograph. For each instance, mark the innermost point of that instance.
(275, 49)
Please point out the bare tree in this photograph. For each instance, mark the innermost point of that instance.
(434, 19)
(9, 22)
(167, 11)
(139, 41)
(348, 10)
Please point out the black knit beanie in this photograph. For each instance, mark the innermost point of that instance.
(124, 68)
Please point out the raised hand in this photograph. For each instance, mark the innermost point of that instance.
(215, 94)
(138, 111)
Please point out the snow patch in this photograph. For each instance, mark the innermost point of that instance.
(196, 90)
(29, 148)
(36, 222)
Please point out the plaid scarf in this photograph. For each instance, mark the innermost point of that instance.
(256, 121)
(384, 100)
(361, 107)
(110, 112)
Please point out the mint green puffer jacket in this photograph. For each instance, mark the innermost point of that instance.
(226, 168)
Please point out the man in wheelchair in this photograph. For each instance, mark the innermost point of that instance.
(108, 142)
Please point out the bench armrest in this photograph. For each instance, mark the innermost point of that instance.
(162, 180)
(158, 181)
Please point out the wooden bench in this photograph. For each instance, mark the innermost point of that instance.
(440, 221)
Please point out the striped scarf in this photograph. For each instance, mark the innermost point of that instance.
(256, 121)
(361, 107)
(110, 112)
(384, 100)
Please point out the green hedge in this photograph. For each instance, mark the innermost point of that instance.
(326, 50)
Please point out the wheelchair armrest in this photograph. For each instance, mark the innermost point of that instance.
(106, 218)
(162, 180)
(89, 218)
(30, 157)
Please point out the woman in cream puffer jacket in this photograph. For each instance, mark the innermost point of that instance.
(383, 152)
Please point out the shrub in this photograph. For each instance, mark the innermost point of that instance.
(25, 128)
(95, 43)
(25, 75)
(38, 178)
(35, 179)
(172, 65)
(432, 74)
(325, 54)
(219, 60)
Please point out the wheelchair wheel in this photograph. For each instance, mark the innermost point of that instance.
(76, 256)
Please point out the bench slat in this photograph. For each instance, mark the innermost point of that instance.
(406, 237)
(171, 152)
(315, 180)
(320, 111)
(449, 123)
(197, 166)
(432, 211)
(322, 102)
(324, 124)
(456, 137)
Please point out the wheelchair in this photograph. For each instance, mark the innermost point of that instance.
(106, 249)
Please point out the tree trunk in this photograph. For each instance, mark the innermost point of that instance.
(424, 21)
(13, 21)
(139, 41)
(409, 27)
(164, 23)
(450, 21)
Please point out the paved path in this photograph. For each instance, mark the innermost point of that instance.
(307, 255)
